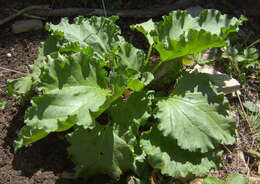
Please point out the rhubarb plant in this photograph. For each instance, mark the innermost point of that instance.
(100, 89)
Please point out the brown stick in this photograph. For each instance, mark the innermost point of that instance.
(30, 8)
(135, 13)
(29, 16)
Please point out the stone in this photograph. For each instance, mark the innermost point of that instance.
(26, 26)
(225, 83)
(196, 181)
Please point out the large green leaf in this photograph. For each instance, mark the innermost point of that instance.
(180, 34)
(73, 87)
(164, 154)
(193, 41)
(100, 151)
(102, 34)
(195, 114)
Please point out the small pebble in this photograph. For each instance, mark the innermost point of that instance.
(9, 55)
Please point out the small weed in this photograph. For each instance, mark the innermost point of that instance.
(252, 116)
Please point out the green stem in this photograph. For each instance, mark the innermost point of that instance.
(235, 66)
(254, 43)
(149, 54)
(155, 68)
(107, 104)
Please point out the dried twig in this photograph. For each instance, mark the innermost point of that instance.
(28, 15)
(10, 70)
(28, 9)
(45, 11)
(244, 112)
(133, 13)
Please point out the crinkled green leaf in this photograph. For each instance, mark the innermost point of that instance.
(193, 41)
(72, 87)
(146, 29)
(79, 69)
(165, 155)
(180, 34)
(195, 114)
(99, 151)
(102, 34)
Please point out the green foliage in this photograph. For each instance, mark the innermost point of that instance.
(241, 60)
(252, 107)
(252, 116)
(179, 34)
(101, 89)
(231, 179)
